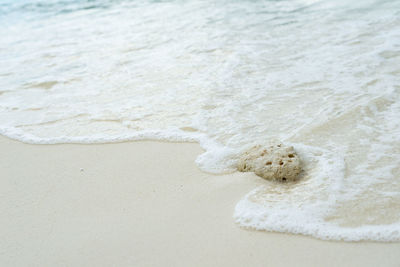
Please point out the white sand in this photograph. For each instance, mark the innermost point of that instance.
(142, 204)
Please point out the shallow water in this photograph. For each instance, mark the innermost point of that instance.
(323, 76)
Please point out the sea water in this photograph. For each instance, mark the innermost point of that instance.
(321, 75)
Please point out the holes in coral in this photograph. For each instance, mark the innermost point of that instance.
(263, 152)
(268, 163)
(281, 162)
(291, 156)
(284, 179)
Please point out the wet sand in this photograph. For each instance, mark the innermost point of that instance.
(143, 204)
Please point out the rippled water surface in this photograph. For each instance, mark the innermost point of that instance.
(321, 75)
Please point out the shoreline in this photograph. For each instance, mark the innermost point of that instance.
(143, 203)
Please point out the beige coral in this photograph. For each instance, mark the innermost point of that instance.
(274, 162)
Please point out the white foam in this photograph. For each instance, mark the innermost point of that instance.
(308, 222)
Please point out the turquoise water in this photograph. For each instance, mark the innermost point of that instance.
(322, 76)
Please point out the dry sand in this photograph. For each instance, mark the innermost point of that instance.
(142, 204)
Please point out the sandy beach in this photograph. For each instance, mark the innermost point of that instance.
(143, 204)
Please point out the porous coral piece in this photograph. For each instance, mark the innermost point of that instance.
(275, 162)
